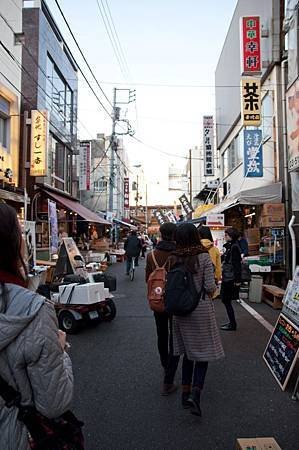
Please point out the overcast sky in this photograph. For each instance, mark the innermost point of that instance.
(169, 43)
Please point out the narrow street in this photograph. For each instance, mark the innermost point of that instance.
(118, 380)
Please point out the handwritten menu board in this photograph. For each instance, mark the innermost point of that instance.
(282, 350)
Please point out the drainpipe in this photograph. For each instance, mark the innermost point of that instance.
(293, 239)
(284, 66)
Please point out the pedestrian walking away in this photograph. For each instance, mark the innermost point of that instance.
(207, 241)
(196, 336)
(163, 321)
(132, 248)
(231, 276)
(32, 358)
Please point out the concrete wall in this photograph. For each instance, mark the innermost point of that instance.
(12, 13)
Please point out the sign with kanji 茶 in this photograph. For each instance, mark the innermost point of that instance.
(208, 146)
(253, 153)
(251, 101)
(126, 193)
(39, 143)
(250, 35)
(187, 207)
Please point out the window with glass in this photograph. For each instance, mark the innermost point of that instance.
(233, 155)
(61, 166)
(100, 186)
(60, 96)
(267, 117)
(4, 124)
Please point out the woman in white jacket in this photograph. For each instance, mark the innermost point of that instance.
(32, 356)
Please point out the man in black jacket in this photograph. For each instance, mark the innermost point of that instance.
(132, 248)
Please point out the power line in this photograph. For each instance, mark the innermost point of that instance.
(82, 54)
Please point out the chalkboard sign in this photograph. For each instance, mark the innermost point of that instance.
(282, 350)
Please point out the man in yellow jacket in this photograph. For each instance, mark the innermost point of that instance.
(206, 239)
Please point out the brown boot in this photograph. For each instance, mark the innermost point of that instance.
(168, 389)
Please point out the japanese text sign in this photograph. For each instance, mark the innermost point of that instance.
(126, 193)
(291, 299)
(208, 146)
(251, 101)
(39, 143)
(160, 217)
(293, 126)
(52, 215)
(187, 207)
(253, 153)
(250, 45)
(84, 166)
(170, 217)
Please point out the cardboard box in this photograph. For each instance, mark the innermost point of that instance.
(272, 221)
(257, 444)
(273, 209)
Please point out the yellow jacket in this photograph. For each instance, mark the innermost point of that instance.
(215, 257)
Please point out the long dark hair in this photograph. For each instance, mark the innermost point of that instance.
(205, 233)
(188, 246)
(11, 259)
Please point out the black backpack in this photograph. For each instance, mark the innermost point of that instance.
(181, 296)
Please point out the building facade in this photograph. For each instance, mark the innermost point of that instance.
(10, 100)
(49, 86)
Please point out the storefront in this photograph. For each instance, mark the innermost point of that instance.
(89, 230)
(260, 216)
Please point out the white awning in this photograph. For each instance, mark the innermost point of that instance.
(272, 193)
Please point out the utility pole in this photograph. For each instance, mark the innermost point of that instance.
(113, 146)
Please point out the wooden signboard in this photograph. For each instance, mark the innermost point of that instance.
(66, 262)
(282, 350)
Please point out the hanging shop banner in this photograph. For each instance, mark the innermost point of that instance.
(84, 166)
(251, 101)
(293, 126)
(28, 231)
(253, 154)
(170, 217)
(39, 143)
(160, 216)
(250, 34)
(282, 350)
(208, 146)
(126, 193)
(53, 224)
(187, 207)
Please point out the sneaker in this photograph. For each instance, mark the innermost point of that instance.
(186, 400)
(228, 327)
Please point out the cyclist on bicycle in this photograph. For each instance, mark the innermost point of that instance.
(132, 248)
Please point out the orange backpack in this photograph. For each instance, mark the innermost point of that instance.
(156, 287)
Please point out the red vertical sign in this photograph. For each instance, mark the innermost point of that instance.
(250, 34)
(126, 193)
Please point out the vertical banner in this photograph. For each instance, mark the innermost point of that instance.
(126, 193)
(208, 146)
(39, 143)
(160, 217)
(253, 153)
(250, 34)
(293, 126)
(170, 217)
(30, 241)
(251, 101)
(84, 166)
(53, 227)
(187, 207)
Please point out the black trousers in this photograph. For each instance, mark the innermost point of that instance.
(194, 372)
(228, 293)
(165, 346)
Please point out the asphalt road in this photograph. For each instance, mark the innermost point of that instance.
(118, 382)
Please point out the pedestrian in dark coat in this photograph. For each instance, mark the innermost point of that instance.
(196, 335)
(163, 320)
(132, 248)
(230, 288)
